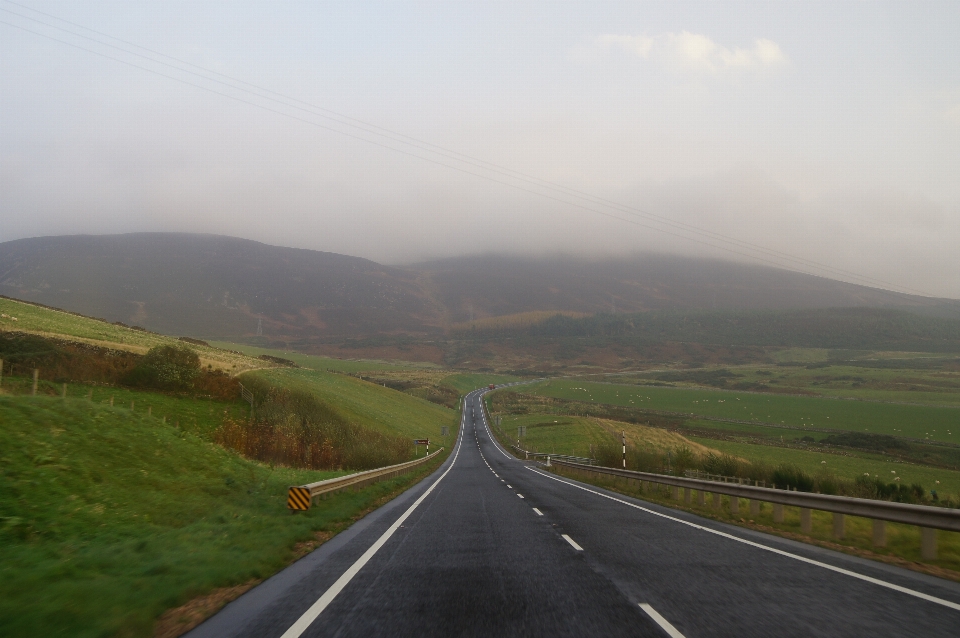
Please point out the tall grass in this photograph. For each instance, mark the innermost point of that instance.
(295, 429)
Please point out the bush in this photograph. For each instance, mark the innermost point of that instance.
(166, 367)
(791, 476)
(722, 464)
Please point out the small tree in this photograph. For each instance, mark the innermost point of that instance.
(169, 367)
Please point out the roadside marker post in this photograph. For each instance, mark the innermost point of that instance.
(1, 372)
(36, 376)
(623, 439)
(298, 499)
(426, 442)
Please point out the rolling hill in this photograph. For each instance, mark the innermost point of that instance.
(214, 286)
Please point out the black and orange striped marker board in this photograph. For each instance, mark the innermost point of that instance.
(298, 498)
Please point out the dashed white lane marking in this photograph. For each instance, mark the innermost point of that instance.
(510, 486)
(802, 559)
(539, 513)
(519, 494)
(669, 629)
(572, 542)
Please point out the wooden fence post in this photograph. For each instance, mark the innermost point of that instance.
(36, 376)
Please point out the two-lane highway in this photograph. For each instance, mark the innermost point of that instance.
(490, 545)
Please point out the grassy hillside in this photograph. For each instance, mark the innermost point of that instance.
(382, 409)
(207, 285)
(316, 362)
(115, 517)
(30, 318)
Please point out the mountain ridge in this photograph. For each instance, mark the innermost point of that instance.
(218, 286)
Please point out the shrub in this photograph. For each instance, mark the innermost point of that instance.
(791, 476)
(166, 367)
(722, 464)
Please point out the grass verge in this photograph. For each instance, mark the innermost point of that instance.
(116, 517)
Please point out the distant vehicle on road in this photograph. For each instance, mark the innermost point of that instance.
(492, 386)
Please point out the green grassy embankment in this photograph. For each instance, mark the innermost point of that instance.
(379, 408)
(108, 518)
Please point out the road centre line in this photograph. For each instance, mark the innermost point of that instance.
(572, 542)
(810, 561)
(324, 601)
(660, 620)
(539, 513)
(519, 494)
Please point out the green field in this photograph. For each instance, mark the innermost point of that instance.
(916, 421)
(382, 409)
(556, 434)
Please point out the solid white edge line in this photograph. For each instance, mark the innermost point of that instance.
(302, 623)
(490, 434)
(572, 542)
(810, 561)
(539, 513)
(660, 620)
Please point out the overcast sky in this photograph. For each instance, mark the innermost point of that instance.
(827, 134)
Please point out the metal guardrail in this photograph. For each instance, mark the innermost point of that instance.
(300, 497)
(927, 518)
(527, 454)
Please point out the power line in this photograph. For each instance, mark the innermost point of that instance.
(400, 138)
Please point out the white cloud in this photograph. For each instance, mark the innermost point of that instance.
(693, 52)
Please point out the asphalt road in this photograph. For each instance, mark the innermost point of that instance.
(490, 545)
